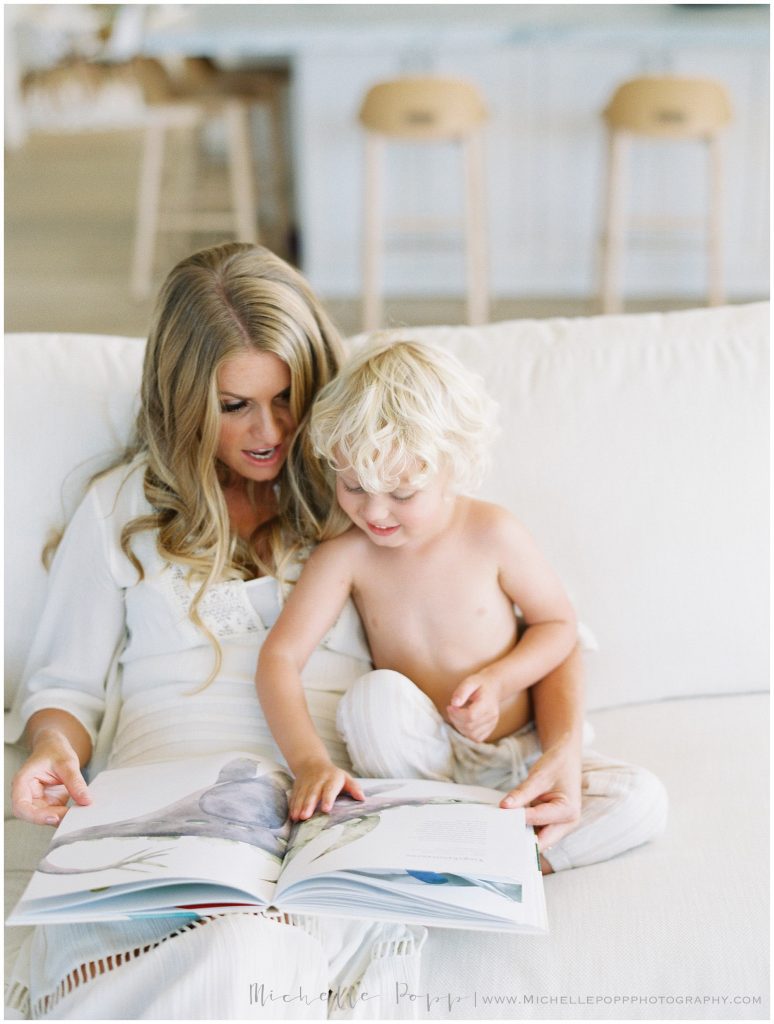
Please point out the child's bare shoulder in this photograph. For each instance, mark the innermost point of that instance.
(487, 515)
(493, 525)
(349, 544)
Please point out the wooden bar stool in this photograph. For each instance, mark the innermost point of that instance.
(669, 108)
(424, 110)
(202, 94)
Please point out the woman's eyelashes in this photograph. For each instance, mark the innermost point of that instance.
(237, 404)
(234, 406)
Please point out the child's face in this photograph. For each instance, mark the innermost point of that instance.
(406, 515)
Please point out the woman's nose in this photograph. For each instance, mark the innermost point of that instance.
(266, 428)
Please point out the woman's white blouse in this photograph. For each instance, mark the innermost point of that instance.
(98, 610)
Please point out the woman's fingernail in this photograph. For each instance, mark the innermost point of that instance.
(52, 820)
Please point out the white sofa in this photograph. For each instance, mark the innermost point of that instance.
(636, 449)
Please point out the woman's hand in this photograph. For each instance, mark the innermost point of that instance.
(319, 782)
(551, 793)
(474, 708)
(49, 777)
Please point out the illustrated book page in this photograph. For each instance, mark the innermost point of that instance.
(212, 835)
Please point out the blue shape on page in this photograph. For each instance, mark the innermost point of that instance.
(429, 877)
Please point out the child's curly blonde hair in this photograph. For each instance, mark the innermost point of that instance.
(400, 406)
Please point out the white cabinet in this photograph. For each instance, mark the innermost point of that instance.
(545, 149)
(546, 72)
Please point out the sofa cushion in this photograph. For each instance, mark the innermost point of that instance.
(676, 929)
(635, 448)
(69, 404)
(683, 916)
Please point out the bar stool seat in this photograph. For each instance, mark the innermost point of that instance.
(666, 108)
(201, 95)
(426, 110)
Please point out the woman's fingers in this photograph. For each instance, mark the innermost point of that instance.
(549, 835)
(536, 784)
(553, 808)
(71, 777)
(42, 805)
(49, 777)
(35, 800)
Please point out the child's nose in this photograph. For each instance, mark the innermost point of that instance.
(375, 507)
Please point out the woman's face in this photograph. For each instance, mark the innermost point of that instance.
(256, 424)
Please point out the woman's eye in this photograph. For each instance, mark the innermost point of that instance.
(403, 497)
(352, 490)
(283, 398)
(232, 406)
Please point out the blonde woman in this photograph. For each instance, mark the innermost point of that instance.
(161, 594)
(168, 572)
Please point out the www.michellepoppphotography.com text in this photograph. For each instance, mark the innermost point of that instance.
(433, 1002)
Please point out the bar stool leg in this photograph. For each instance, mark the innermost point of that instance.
(241, 171)
(148, 196)
(614, 225)
(186, 171)
(372, 229)
(281, 176)
(716, 295)
(478, 298)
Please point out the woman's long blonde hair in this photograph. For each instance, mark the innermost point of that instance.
(214, 305)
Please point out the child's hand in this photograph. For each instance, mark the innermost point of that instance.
(319, 782)
(474, 708)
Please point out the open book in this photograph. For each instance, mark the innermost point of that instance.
(211, 835)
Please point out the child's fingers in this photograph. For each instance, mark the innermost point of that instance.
(330, 791)
(475, 722)
(307, 796)
(303, 801)
(463, 693)
(352, 787)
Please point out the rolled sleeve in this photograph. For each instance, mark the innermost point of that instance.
(81, 626)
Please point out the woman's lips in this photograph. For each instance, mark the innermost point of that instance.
(262, 456)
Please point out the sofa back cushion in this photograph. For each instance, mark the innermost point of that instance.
(635, 448)
(70, 401)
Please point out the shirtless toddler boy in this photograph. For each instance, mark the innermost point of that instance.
(434, 575)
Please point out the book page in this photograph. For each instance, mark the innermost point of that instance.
(417, 826)
(217, 819)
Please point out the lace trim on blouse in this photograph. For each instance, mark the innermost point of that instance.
(225, 609)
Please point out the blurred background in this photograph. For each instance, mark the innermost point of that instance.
(135, 133)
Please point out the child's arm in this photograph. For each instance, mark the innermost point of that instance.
(529, 582)
(312, 608)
